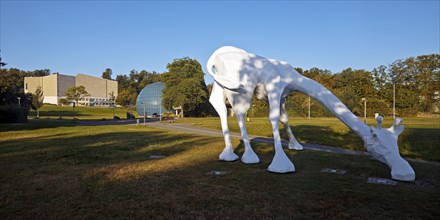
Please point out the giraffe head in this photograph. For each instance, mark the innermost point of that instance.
(382, 145)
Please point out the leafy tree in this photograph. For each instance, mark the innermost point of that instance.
(126, 96)
(416, 80)
(185, 86)
(130, 86)
(148, 78)
(12, 83)
(76, 93)
(107, 74)
(2, 64)
(37, 100)
(112, 97)
(353, 85)
(64, 101)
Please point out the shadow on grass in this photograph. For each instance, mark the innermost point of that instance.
(325, 135)
(34, 124)
(105, 148)
(418, 143)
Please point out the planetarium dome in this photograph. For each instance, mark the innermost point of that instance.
(149, 100)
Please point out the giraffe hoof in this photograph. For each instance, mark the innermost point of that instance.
(250, 157)
(295, 146)
(281, 164)
(228, 155)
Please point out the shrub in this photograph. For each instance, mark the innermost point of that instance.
(12, 114)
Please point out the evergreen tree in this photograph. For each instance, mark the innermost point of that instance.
(107, 74)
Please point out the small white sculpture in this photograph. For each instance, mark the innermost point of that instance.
(238, 74)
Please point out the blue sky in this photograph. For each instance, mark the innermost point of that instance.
(73, 37)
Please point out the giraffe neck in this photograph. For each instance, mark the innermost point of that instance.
(331, 102)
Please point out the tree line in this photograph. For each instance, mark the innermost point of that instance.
(414, 80)
(184, 86)
(14, 102)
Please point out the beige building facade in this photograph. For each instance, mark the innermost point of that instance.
(55, 86)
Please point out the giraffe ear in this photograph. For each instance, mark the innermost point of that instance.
(398, 129)
(398, 120)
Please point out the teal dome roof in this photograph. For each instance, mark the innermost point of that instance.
(151, 98)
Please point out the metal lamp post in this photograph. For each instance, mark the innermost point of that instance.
(394, 100)
(19, 98)
(113, 104)
(160, 113)
(309, 107)
(365, 110)
(143, 105)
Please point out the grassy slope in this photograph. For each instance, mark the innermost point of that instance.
(84, 113)
(57, 170)
(420, 139)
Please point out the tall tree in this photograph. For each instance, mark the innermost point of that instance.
(185, 86)
(2, 64)
(123, 82)
(107, 74)
(353, 85)
(37, 100)
(126, 96)
(76, 93)
(148, 78)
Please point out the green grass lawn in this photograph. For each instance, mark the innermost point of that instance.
(53, 169)
(83, 113)
(420, 139)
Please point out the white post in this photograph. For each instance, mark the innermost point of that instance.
(309, 107)
(160, 114)
(365, 110)
(144, 111)
(19, 98)
(394, 100)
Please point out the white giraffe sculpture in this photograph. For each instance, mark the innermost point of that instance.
(239, 74)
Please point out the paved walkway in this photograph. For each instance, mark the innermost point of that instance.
(188, 128)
